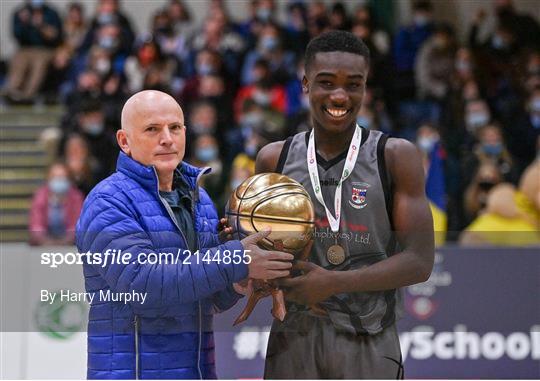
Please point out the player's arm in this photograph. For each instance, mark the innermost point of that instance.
(413, 226)
(414, 230)
(268, 157)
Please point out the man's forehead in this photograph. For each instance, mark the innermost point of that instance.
(332, 62)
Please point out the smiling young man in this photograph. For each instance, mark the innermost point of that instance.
(152, 204)
(374, 230)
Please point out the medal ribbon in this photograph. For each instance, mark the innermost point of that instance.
(313, 170)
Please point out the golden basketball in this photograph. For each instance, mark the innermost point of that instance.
(275, 200)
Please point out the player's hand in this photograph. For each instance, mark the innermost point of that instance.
(266, 264)
(224, 231)
(312, 287)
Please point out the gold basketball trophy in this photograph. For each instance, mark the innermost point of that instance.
(275, 200)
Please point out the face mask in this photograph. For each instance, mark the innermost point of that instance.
(108, 42)
(36, 3)
(462, 65)
(261, 98)
(269, 43)
(251, 150)
(251, 119)
(264, 14)
(535, 105)
(492, 149)
(364, 122)
(105, 18)
(103, 66)
(498, 43)
(426, 143)
(421, 20)
(94, 129)
(477, 119)
(205, 69)
(206, 154)
(59, 185)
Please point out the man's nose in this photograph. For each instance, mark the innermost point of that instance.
(165, 137)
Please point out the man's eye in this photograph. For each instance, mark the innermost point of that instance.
(326, 83)
(354, 85)
(151, 129)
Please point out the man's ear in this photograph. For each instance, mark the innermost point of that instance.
(305, 88)
(121, 138)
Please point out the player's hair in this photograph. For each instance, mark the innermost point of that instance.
(335, 41)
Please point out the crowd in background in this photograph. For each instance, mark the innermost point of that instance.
(476, 103)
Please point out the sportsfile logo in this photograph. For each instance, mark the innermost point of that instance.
(423, 343)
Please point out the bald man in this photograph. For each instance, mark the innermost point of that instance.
(151, 311)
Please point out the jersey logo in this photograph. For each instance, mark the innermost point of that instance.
(359, 195)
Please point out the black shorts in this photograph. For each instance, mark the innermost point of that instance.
(309, 347)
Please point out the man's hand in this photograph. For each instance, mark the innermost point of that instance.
(308, 289)
(266, 264)
(224, 231)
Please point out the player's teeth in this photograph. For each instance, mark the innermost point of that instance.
(337, 113)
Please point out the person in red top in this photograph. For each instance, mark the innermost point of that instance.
(55, 209)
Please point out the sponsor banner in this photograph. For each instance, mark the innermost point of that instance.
(478, 316)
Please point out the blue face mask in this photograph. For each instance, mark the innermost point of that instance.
(364, 122)
(36, 3)
(207, 154)
(269, 43)
(205, 69)
(108, 42)
(498, 43)
(492, 149)
(477, 119)
(251, 150)
(105, 18)
(59, 185)
(264, 14)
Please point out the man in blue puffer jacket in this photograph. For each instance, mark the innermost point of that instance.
(152, 204)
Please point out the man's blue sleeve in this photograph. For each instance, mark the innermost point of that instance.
(107, 223)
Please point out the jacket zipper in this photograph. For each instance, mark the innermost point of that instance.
(195, 199)
(136, 323)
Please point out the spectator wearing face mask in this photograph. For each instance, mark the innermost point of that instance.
(522, 130)
(434, 64)
(486, 176)
(433, 159)
(85, 170)
(281, 63)
(476, 115)
(108, 13)
(264, 90)
(91, 123)
(55, 209)
(490, 148)
(260, 12)
(206, 154)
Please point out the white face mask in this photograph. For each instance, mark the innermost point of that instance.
(103, 66)
(426, 143)
(476, 120)
(59, 185)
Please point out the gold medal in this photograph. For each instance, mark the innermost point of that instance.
(335, 255)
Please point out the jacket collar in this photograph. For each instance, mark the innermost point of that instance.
(147, 175)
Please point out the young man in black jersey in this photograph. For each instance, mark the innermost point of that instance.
(374, 230)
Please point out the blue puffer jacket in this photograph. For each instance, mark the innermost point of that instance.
(170, 335)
